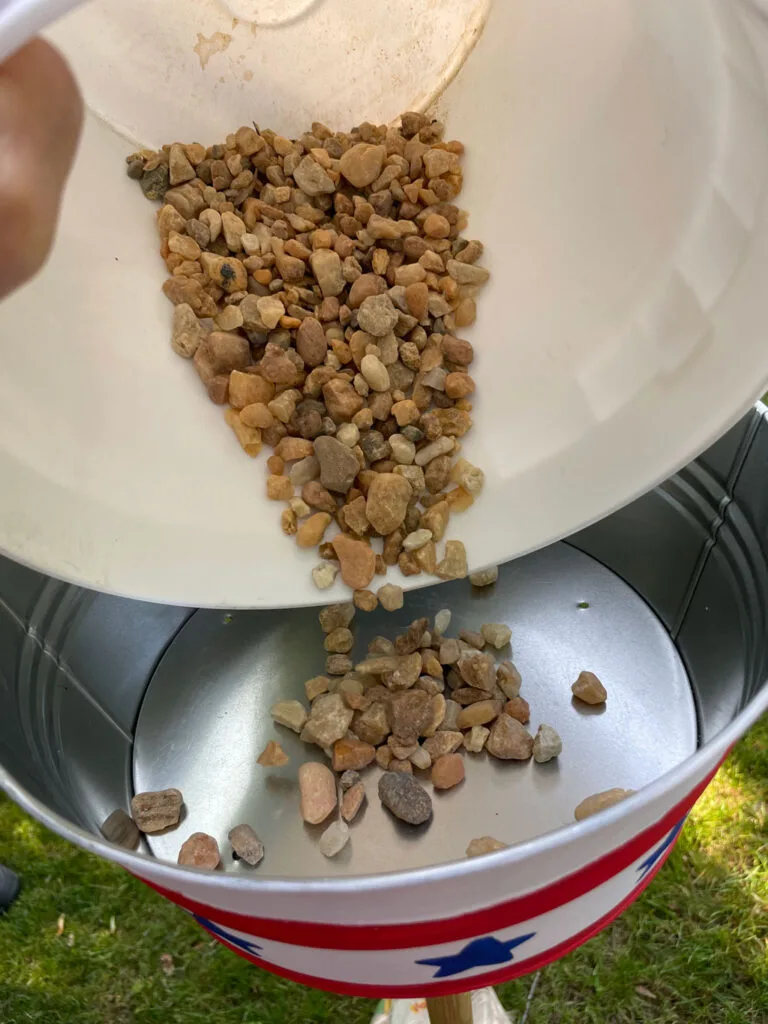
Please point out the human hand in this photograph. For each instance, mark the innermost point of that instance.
(40, 121)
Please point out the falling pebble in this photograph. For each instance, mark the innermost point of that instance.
(60, 925)
(583, 604)
(167, 964)
(112, 926)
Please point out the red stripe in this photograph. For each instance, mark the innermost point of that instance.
(447, 988)
(431, 933)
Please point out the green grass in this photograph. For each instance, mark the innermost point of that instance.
(696, 941)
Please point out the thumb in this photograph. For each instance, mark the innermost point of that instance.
(40, 121)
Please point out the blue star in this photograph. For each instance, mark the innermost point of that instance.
(234, 940)
(652, 858)
(478, 953)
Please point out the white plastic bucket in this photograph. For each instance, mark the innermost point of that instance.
(617, 156)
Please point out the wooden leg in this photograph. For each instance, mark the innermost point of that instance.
(450, 1009)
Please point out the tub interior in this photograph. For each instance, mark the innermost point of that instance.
(103, 696)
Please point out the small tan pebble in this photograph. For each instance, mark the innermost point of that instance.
(356, 559)
(454, 564)
(448, 771)
(403, 450)
(405, 797)
(338, 664)
(600, 801)
(155, 811)
(339, 641)
(352, 801)
(324, 575)
(484, 577)
(348, 434)
(496, 634)
(427, 454)
(509, 740)
(442, 743)
(484, 844)
(397, 765)
(375, 373)
(290, 713)
(365, 600)
(479, 713)
(288, 522)
(311, 531)
(546, 744)
(316, 686)
(387, 502)
(279, 488)
(120, 829)
(451, 721)
(336, 616)
(469, 636)
(437, 709)
(450, 652)
(467, 476)
(381, 645)
(246, 844)
(334, 839)
(328, 721)
(589, 689)
(476, 738)
(275, 465)
(417, 539)
(383, 757)
(338, 464)
(477, 669)
(518, 708)
(249, 437)
(299, 507)
(508, 679)
(420, 759)
(390, 597)
(200, 851)
(361, 164)
(188, 333)
(401, 750)
(372, 724)
(270, 310)
(409, 714)
(317, 786)
(273, 756)
(352, 754)
(442, 621)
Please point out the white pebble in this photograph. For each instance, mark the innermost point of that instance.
(442, 621)
(375, 373)
(442, 446)
(348, 434)
(299, 507)
(420, 759)
(334, 839)
(484, 577)
(417, 540)
(323, 575)
(403, 450)
(468, 476)
(496, 634)
(332, 360)
(546, 745)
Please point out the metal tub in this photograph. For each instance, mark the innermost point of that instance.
(665, 600)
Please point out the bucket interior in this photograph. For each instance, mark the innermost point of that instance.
(664, 600)
(623, 229)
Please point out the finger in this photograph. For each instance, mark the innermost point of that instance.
(40, 121)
